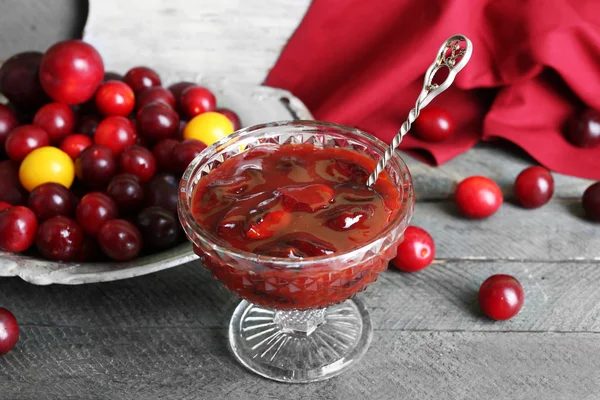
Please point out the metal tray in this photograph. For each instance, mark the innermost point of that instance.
(254, 105)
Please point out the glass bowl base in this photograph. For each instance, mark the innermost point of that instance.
(300, 346)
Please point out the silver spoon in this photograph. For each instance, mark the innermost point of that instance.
(454, 55)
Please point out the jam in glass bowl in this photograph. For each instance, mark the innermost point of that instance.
(280, 214)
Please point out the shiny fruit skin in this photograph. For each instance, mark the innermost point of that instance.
(59, 239)
(584, 130)
(232, 116)
(501, 297)
(163, 154)
(23, 140)
(478, 197)
(50, 200)
(162, 191)
(157, 121)
(20, 82)
(208, 128)
(8, 122)
(160, 229)
(138, 161)
(196, 100)
(56, 119)
(71, 71)
(120, 240)
(18, 225)
(127, 192)
(153, 94)
(96, 165)
(434, 124)
(184, 152)
(115, 98)
(11, 190)
(534, 187)
(177, 89)
(46, 164)
(4, 205)
(141, 78)
(75, 144)
(591, 202)
(116, 133)
(94, 210)
(416, 251)
(9, 329)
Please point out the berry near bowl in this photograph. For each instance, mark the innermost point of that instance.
(91, 188)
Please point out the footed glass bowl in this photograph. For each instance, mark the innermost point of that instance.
(298, 321)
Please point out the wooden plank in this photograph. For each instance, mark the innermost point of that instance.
(188, 363)
(560, 297)
(557, 231)
(236, 39)
(36, 25)
(500, 163)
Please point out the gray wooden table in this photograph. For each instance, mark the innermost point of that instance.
(163, 336)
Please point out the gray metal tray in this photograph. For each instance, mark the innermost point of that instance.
(254, 105)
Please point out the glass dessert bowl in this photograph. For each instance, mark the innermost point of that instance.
(280, 214)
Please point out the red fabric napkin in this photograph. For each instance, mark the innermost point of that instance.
(534, 64)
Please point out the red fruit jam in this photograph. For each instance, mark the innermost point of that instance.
(295, 201)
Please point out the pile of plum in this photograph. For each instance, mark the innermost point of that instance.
(90, 161)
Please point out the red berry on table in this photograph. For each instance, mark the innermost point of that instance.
(75, 144)
(18, 225)
(115, 98)
(160, 229)
(141, 78)
(157, 121)
(233, 117)
(56, 119)
(591, 202)
(8, 122)
(94, 210)
(434, 124)
(163, 191)
(11, 190)
(20, 82)
(50, 200)
(59, 239)
(534, 187)
(478, 197)
(584, 130)
(501, 297)
(120, 240)
(96, 165)
(138, 161)
(71, 71)
(163, 154)
(4, 205)
(23, 140)
(197, 100)
(88, 124)
(155, 93)
(185, 152)
(127, 192)
(416, 251)
(116, 133)
(9, 331)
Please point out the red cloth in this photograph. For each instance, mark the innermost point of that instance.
(361, 63)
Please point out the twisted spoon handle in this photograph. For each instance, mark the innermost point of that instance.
(454, 54)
